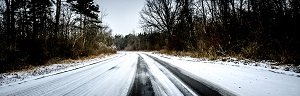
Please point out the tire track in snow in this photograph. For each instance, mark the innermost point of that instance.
(198, 87)
(149, 83)
(185, 90)
(142, 85)
(92, 81)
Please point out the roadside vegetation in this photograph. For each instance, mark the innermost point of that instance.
(253, 29)
(34, 32)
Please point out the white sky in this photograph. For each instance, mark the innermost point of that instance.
(122, 16)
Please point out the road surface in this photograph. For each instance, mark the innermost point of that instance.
(126, 74)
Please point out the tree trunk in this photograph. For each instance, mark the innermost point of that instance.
(57, 16)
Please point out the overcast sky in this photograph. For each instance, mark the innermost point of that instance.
(122, 16)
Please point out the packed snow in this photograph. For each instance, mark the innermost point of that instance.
(11, 77)
(111, 76)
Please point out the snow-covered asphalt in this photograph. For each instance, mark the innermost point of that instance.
(129, 73)
(146, 74)
(112, 77)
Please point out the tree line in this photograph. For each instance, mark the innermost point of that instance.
(257, 29)
(35, 31)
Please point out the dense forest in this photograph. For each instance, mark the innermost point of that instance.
(256, 29)
(35, 31)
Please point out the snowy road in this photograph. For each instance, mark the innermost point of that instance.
(129, 73)
(146, 74)
(109, 77)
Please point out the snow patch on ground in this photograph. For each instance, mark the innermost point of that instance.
(8, 78)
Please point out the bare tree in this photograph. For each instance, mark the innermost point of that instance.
(160, 15)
